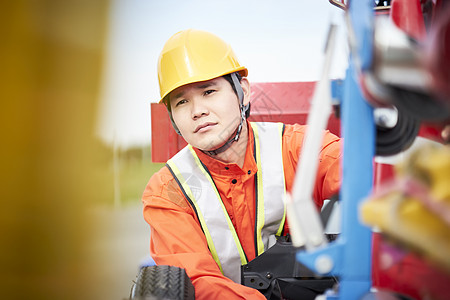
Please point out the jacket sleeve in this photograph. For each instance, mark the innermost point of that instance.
(328, 177)
(177, 240)
(329, 173)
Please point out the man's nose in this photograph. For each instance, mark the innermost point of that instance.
(199, 109)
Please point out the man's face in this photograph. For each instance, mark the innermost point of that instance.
(206, 113)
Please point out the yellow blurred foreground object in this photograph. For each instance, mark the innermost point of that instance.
(51, 57)
(415, 208)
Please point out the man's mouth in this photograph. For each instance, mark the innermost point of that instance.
(204, 126)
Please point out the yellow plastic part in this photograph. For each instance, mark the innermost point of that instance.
(417, 218)
(193, 56)
(411, 224)
(431, 165)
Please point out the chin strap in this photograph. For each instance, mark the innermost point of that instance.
(243, 109)
(233, 138)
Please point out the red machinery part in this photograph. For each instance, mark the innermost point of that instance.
(406, 273)
(407, 15)
(433, 33)
(437, 53)
(394, 269)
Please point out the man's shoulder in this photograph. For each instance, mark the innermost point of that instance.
(159, 181)
(162, 176)
(294, 129)
(163, 187)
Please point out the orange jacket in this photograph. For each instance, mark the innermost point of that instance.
(176, 235)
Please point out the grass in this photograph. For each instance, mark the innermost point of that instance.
(133, 178)
(134, 169)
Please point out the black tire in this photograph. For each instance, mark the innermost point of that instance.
(390, 141)
(162, 283)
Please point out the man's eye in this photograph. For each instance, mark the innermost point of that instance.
(208, 92)
(180, 102)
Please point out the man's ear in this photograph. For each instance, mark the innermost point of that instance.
(246, 88)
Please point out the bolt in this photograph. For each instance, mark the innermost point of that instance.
(324, 264)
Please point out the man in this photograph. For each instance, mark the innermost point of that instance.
(219, 202)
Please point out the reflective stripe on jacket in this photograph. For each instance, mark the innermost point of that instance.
(200, 190)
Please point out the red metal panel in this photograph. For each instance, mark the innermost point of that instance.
(286, 102)
(165, 141)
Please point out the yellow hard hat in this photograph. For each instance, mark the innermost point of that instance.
(192, 56)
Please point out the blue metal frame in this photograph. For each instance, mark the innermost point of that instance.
(349, 257)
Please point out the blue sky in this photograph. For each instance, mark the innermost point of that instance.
(276, 40)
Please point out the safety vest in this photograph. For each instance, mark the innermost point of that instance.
(199, 189)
